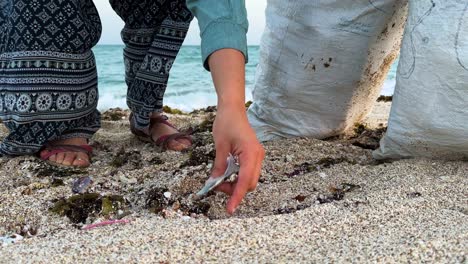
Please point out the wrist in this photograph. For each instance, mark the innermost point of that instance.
(231, 104)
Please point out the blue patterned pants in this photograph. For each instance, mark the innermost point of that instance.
(153, 34)
(48, 79)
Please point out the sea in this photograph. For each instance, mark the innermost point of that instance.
(190, 86)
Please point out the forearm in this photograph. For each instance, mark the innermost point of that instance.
(228, 72)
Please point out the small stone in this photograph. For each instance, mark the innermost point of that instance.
(168, 195)
(126, 180)
(445, 178)
(176, 206)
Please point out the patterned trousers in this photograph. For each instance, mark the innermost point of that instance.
(48, 78)
(153, 34)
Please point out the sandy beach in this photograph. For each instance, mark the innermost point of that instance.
(317, 201)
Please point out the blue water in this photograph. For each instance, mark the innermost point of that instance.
(190, 86)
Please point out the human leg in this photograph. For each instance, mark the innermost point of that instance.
(153, 34)
(48, 79)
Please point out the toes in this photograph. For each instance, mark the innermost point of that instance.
(44, 155)
(53, 158)
(176, 145)
(60, 157)
(81, 160)
(69, 158)
(185, 142)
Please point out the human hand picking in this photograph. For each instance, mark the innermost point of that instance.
(233, 134)
(231, 130)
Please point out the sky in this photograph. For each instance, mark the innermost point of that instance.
(112, 24)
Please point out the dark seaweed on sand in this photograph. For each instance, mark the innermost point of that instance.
(79, 208)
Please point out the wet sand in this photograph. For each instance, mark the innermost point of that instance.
(317, 201)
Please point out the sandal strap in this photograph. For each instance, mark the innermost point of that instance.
(153, 120)
(57, 149)
(164, 140)
(162, 119)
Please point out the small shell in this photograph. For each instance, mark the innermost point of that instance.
(81, 184)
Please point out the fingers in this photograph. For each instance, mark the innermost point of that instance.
(220, 164)
(249, 173)
(227, 188)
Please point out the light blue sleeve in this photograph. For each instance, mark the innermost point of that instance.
(223, 24)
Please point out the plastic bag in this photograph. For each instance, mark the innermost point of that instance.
(429, 116)
(322, 64)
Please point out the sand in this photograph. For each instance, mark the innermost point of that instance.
(317, 201)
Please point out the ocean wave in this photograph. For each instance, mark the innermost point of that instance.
(190, 86)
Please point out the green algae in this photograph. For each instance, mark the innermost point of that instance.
(79, 207)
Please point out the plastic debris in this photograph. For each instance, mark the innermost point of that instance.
(8, 240)
(105, 223)
(232, 168)
(80, 185)
(167, 195)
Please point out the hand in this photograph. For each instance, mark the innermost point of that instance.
(231, 131)
(233, 134)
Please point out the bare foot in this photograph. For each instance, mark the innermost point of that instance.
(161, 129)
(72, 159)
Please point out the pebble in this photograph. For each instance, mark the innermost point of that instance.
(126, 180)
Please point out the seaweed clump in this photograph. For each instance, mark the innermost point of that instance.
(206, 125)
(367, 138)
(323, 163)
(114, 114)
(123, 157)
(156, 201)
(173, 111)
(79, 208)
(384, 98)
(209, 109)
(290, 210)
(197, 207)
(200, 156)
(337, 193)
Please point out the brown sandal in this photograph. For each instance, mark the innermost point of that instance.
(57, 149)
(162, 141)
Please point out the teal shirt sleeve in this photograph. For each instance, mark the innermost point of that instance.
(223, 24)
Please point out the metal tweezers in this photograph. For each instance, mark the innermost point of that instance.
(213, 182)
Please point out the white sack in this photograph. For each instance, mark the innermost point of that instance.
(322, 64)
(429, 116)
